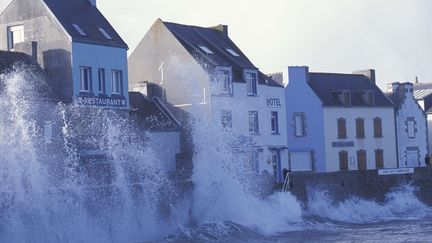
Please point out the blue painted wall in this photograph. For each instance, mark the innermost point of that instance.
(300, 98)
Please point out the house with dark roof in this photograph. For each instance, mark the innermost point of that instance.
(411, 126)
(423, 95)
(159, 125)
(84, 57)
(338, 122)
(201, 72)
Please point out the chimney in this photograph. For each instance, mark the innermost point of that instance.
(298, 74)
(34, 51)
(92, 2)
(222, 28)
(395, 86)
(370, 73)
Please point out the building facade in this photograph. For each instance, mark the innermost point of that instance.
(203, 74)
(73, 42)
(411, 126)
(338, 122)
(423, 96)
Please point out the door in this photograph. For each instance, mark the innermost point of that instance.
(301, 161)
(361, 160)
(413, 159)
(276, 163)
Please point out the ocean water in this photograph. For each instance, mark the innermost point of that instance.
(47, 194)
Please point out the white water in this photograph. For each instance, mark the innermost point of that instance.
(46, 197)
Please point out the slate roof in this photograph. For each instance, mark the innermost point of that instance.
(191, 37)
(152, 114)
(89, 18)
(325, 84)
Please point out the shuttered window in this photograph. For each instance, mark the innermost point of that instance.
(341, 124)
(360, 130)
(361, 160)
(379, 158)
(343, 160)
(377, 127)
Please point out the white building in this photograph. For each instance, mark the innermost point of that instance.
(203, 73)
(411, 126)
(73, 42)
(423, 95)
(338, 122)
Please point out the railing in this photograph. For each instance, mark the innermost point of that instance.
(286, 184)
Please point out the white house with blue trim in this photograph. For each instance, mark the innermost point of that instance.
(72, 41)
(338, 122)
(411, 126)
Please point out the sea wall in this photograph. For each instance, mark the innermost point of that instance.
(362, 184)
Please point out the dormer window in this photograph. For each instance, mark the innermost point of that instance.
(15, 36)
(369, 98)
(344, 97)
(80, 31)
(206, 50)
(104, 33)
(232, 52)
(251, 78)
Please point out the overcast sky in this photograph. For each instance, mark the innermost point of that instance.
(392, 36)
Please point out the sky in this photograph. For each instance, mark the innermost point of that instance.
(394, 37)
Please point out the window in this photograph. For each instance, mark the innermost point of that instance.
(251, 80)
(253, 162)
(410, 127)
(226, 118)
(299, 125)
(253, 122)
(341, 125)
(377, 127)
(223, 81)
(206, 50)
(370, 98)
(274, 122)
(232, 52)
(361, 160)
(379, 158)
(85, 79)
(116, 76)
(360, 130)
(15, 36)
(101, 80)
(343, 160)
(105, 34)
(80, 31)
(346, 98)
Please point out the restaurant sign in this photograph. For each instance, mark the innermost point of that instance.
(102, 101)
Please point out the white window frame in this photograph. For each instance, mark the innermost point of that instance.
(101, 81)
(223, 81)
(299, 126)
(274, 119)
(85, 77)
(251, 78)
(12, 33)
(411, 128)
(253, 122)
(117, 81)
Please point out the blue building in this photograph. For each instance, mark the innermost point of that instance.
(73, 42)
(338, 122)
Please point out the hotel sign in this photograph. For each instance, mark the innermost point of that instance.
(397, 171)
(102, 101)
(343, 144)
(274, 102)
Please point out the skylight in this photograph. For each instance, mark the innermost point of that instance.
(232, 52)
(206, 50)
(105, 34)
(78, 28)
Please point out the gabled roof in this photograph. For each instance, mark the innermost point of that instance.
(192, 37)
(325, 84)
(88, 18)
(152, 114)
(421, 91)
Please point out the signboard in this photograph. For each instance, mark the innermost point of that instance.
(274, 102)
(343, 144)
(397, 171)
(102, 101)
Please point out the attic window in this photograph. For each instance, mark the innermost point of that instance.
(78, 28)
(206, 50)
(105, 34)
(232, 52)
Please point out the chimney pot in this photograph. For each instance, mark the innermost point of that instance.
(222, 28)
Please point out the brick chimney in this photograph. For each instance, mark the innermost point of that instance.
(92, 2)
(370, 73)
(222, 28)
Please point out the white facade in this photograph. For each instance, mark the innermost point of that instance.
(334, 145)
(271, 146)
